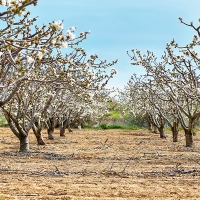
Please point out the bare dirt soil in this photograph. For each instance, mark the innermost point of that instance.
(97, 164)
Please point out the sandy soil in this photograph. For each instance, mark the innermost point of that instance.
(111, 164)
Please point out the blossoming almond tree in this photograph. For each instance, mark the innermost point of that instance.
(33, 59)
(92, 108)
(177, 74)
(141, 99)
(71, 108)
(23, 110)
(26, 50)
(36, 103)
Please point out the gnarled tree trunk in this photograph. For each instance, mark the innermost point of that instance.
(64, 125)
(155, 129)
(69, 129)
(51, 128)
(24, 144)
(149, 126)
(149, 122)
(20, 132)
(188, 137)
(62, 131)
(175, 132)
(50, 132)
(38, 134)
(161, 131)
(40, 139)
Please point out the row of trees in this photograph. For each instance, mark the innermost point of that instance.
(40, 86)
(169, 92)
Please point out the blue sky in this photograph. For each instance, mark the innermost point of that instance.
(120, 25)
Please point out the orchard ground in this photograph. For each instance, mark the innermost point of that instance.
(100, 164)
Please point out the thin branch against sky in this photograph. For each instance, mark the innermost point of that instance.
(117, 26)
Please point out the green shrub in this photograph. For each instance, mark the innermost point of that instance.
(86, 126)
(3, 122)
(131, 127)
(114, 126)
(111, 126)
(103, 126)
(117, 126)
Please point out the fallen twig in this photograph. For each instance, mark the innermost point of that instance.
(25, 195)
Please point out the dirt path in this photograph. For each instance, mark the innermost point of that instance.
(111, 164)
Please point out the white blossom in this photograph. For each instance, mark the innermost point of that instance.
(58, 25)
(71, 35)
(73, 28)
(92, 74)
(54, 42)
(88, 64)
(64, 44)
(9, 3)
(37, 114)
(91, 95)
(30, 60)
(3, 2)
(40, 55)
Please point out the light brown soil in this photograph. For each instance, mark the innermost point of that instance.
(111, 164)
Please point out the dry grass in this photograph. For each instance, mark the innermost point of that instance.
(111, 164)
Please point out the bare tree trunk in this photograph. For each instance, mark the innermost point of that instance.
(188, 137)
(161, 131)
(51, 128)
(62, 131)
(24, 144)
(155, 129)
(149, 123)
(175, 132)
(21, 134)
(63, 127)
(69, 129)
(149, 126)
(38, 134)
(40, 139)
(50, 132)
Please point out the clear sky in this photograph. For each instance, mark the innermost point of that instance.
(120, 25)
